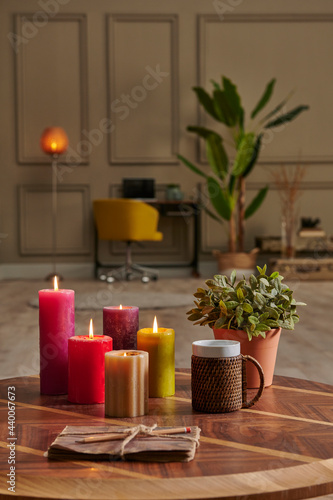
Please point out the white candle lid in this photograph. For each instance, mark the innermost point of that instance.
(215, 348)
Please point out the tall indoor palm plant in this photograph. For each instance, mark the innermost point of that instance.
(227, 184)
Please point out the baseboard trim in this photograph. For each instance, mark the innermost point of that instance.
(86, 271)
(40, 271)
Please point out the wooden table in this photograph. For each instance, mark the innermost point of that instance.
(282, 448)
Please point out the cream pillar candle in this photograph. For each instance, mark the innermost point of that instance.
(126, 383)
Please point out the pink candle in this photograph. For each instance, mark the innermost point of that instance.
(122, 324)
(56, 325)
(86, 358)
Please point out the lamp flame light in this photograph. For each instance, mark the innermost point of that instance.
(54, 140)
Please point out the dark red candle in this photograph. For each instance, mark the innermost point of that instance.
(122, 324)
(86, 360)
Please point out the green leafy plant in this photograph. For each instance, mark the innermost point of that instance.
(256, 306)
(226, 187)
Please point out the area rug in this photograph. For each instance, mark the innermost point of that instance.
(145, 300)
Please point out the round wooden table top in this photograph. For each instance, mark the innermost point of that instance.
(281, 448)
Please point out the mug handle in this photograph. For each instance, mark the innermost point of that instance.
(245, 403)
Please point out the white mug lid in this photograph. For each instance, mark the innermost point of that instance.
(215, 348)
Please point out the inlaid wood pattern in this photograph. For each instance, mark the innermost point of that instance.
(280, 449)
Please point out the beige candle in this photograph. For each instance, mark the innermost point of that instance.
(126, 383)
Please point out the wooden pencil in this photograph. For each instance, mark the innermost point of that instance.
(113, 436)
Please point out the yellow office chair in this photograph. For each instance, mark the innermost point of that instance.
(126, 220)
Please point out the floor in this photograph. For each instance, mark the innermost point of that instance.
(304, 353)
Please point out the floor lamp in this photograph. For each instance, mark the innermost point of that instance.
(54, 142)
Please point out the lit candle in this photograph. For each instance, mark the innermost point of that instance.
(56, 325)
(86, 354)
(126, 383)
(160, 344)
(122, 324)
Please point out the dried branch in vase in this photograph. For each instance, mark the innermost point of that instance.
(288, 181)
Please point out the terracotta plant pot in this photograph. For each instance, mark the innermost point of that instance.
(237, 260)
(263, 350)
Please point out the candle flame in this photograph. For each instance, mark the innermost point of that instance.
(55, 284)
(125, 354)
(91, 330)
(120, 307)
(53, 146)
(155, 327)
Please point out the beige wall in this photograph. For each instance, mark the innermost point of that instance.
(133, 63)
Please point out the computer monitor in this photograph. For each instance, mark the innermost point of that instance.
(139, 189)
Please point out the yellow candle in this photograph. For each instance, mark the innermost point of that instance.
(160, 345)
(126, 383)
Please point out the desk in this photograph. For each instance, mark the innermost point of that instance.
(184, 209)
(281, 448)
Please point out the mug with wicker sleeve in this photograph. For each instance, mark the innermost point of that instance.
(218, 377)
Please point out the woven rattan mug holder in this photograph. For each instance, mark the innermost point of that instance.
(219, 384)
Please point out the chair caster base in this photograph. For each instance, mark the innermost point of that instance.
(129, 274)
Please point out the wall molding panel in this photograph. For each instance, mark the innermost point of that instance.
(143, 88)
(118, 76)
(73, 220)
(57, 52)
(290, 53)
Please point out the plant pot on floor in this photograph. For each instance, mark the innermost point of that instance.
(236, 260)
(263, 350)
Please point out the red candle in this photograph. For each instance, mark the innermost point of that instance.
(86, 358)
(56, 325)
(122, 324)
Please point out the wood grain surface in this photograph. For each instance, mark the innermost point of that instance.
(282, 448)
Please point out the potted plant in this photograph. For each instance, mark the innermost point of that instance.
(173, 192)
(252, 312)
(227, 182)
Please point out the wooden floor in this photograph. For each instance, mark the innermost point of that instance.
(306, 353)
